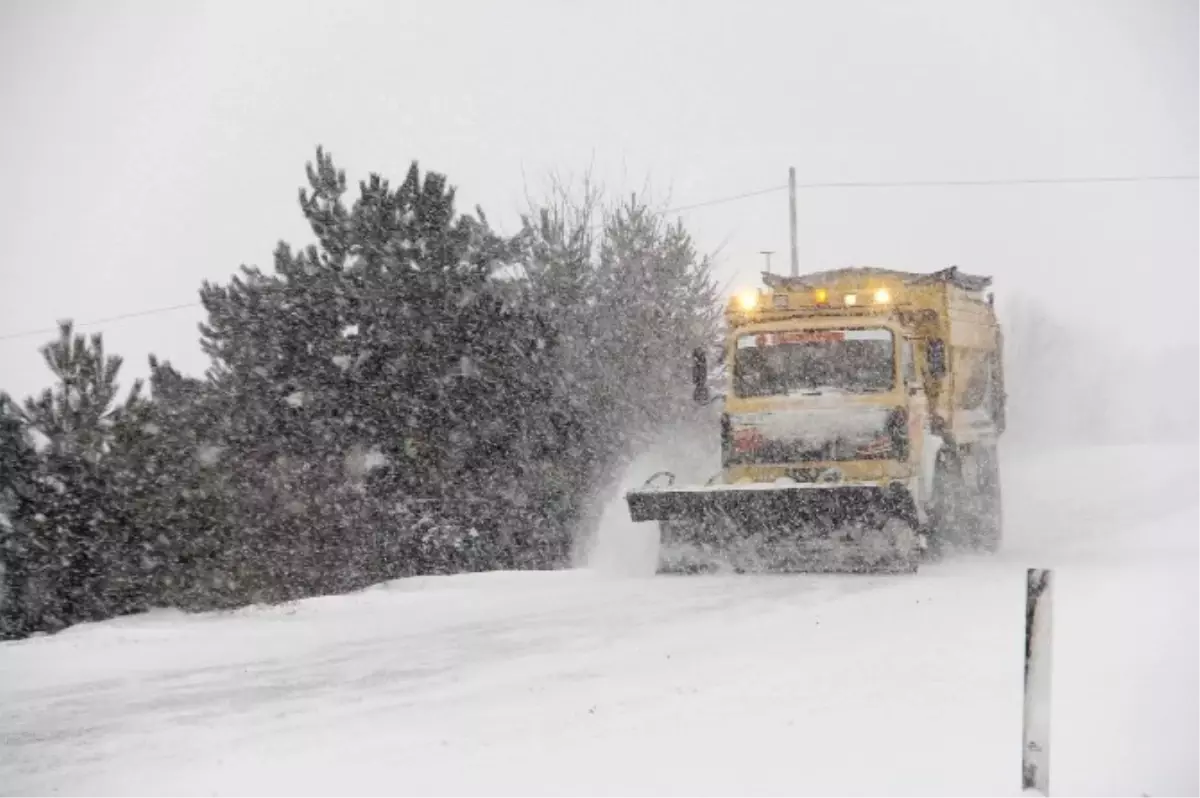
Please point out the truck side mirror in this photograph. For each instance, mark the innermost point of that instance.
(700, 375)
(935, 356)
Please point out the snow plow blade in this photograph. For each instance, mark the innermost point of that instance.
(793, 527)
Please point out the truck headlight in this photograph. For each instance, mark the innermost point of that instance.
(748, 300)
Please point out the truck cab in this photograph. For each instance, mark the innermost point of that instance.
(823, 401)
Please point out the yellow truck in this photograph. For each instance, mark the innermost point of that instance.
(859, 430)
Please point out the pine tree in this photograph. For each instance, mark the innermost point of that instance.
(167, 472)
(387, 401)
(77, 414)
(668, 307)
(389, 337)
(18, 467)
(628, 302)
(79, 560)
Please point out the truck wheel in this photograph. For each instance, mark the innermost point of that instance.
(901, 538)
(946, 516)
(989, 516)
(966, 512)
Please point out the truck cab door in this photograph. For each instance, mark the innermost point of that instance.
(922, 447)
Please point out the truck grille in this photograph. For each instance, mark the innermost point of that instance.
(778, 439)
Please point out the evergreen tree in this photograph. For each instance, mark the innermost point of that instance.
(386, 402)
(629, 301)
(77, 563)
(668, 306)
(18, 466)
(389, 337)
(166, 466)
(77, 414)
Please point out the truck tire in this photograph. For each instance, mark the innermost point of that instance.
(966, 512)
(946, 512)
(989, 517)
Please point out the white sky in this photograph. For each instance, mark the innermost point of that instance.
(155, 146)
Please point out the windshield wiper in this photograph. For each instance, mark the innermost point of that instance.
(816, 390)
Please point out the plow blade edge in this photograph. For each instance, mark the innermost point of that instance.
(851, 527)
(770, 505)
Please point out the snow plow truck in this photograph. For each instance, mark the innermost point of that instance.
(858, 432)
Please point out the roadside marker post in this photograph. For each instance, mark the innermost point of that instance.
(1035, 722)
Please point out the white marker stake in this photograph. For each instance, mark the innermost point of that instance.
(1035, 755)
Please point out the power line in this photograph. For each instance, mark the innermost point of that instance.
(122, 317)
(1030, 181)
(173, 308)
(721, 200)
(844, 184)
(734, 198)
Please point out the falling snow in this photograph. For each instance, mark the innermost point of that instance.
(354, 517)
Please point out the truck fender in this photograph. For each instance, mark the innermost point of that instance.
(931, 448)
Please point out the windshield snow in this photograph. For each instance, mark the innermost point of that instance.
(814, 362)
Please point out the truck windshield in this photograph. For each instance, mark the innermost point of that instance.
(814, 362)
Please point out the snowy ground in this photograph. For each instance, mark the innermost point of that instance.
(599, 681)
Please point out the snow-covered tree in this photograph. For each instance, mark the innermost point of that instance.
(411, 393)
(75, 416)
(629, 299)
(389, 336)
(18, 466)
(70, 533)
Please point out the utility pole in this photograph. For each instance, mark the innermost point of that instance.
(792, 203)
(768, 253)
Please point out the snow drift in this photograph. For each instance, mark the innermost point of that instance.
(590, 682)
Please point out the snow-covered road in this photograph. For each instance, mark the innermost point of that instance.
(592, 681)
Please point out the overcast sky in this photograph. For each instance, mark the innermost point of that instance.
(151, 146)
